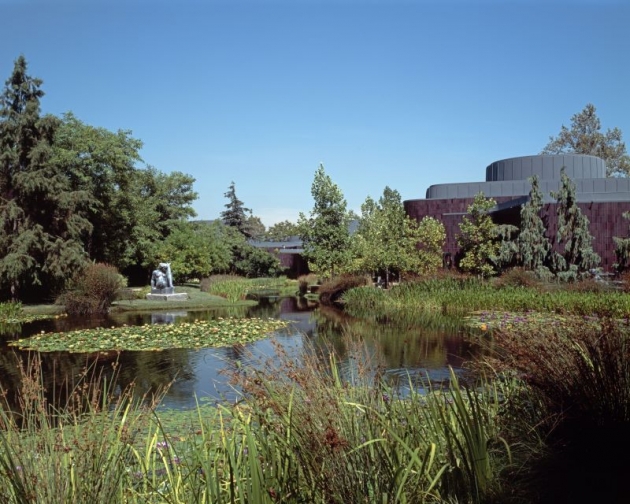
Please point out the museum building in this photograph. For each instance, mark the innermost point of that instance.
(602, 199)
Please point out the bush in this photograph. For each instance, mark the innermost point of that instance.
(304, 281)
(92, 290)
(517, 277)
(331, 291)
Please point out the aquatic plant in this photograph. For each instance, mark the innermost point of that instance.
(198, 334)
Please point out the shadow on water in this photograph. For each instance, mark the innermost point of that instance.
(407, 354)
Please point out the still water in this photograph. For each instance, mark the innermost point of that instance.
(406, 354)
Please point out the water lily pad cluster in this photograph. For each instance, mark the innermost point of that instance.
(198, 334)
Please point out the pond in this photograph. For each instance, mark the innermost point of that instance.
(408, 354)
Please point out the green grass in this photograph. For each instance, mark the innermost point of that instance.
(196, 300)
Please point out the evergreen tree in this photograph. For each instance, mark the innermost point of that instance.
(235, 214)
(573, 234)
(325, 233)
(585, 137)
(533, 245)
(622, 249)
(42, 216)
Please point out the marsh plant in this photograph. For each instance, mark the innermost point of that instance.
(460, 296)
(307, 431)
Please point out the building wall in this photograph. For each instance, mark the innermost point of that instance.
(605, 218)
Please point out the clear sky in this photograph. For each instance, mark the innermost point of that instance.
(403, 94)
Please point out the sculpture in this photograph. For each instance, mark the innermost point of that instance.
(162, 279)
(162, 288)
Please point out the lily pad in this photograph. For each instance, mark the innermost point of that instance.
(220, 332)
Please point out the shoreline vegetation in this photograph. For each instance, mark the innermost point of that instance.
(542, 418)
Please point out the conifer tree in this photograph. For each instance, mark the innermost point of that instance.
(622, 249)
(42, 220)
(573, 235)
(235, 213)
(533, 244)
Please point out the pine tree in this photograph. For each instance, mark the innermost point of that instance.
(622, 249)
(42, 222)
(573, 235)
(235, 214)
(533, 245)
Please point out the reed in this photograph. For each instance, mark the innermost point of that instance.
(458, 297)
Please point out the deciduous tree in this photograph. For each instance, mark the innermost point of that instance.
(325, 233)
(486, 247)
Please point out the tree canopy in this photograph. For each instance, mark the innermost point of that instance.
(71, 193)
(43, 216)
(325, 233)
(584, 137)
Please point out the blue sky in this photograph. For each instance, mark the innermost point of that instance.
(402, 94)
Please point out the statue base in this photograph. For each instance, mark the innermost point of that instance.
(165, 290)
(181, 296)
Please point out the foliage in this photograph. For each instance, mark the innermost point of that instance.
(485, 247)
(387, 239)
(11, 310)
(281, 231)
(431, 236)
(305, 281)
(199, 334)
(331, 291)
(235, 213)
(577, 256)
(581, 368)
(325, 233)
(42, 216)
(231, 287)
(131, 209)
(622, 249)
(92, 290)
(345, 437)
(459, 296)
(585, 137)
(321, 437)
(195, 250)
(252, 262)
(533, 245)
(518, 277)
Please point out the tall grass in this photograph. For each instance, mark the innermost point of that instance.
(10, 310)
(458, 297)
(231, 287)
(304, 433)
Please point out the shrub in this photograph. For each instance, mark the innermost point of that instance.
(10, 310)
(92, 290)
(331, 291)
(305, 281)
(517, 277)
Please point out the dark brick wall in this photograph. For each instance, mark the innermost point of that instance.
(605, 219)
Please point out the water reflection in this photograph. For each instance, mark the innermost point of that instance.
(405, 354)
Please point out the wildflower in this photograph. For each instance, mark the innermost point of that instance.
(161, 444)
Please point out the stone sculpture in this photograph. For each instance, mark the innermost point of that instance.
(162, 288)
